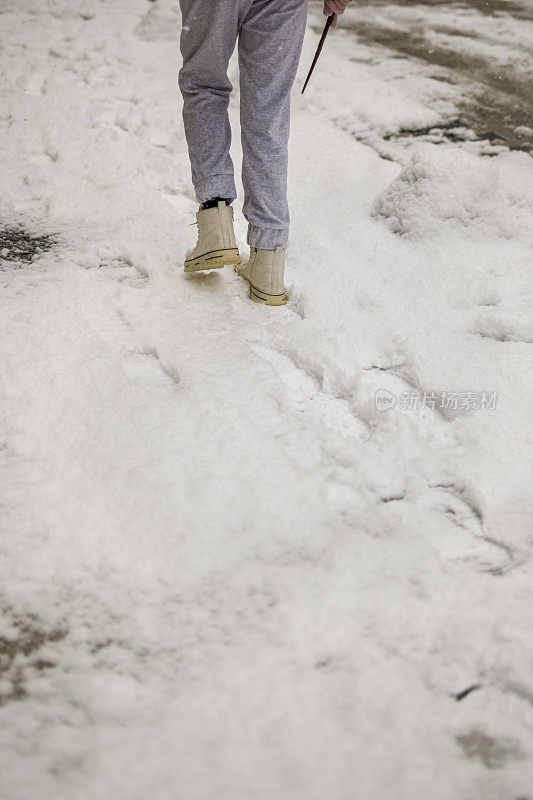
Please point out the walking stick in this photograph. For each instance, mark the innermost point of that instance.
(327, 26)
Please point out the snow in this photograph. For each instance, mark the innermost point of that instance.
(225, 572)
(445, 192)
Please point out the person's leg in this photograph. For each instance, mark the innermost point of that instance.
(208, 37)
(270, 44)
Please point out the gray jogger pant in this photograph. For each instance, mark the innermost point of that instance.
(270, 35)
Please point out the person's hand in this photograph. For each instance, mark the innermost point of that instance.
(335, 7)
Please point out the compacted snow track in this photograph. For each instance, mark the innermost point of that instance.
(225, 571)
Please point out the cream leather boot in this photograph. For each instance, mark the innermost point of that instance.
(216, 245)
(264, 272)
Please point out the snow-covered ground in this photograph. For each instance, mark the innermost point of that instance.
(227, 571)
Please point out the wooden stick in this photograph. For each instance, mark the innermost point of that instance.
(327, 26)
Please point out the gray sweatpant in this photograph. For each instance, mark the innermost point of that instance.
(270, 35)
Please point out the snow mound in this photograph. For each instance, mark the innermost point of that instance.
(442, 191)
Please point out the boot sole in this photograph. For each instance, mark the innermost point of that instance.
(259, 296)
(213, 260)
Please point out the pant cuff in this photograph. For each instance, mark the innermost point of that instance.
(267, 238)
(215, 186)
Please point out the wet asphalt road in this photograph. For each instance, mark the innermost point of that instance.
(497, 71)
